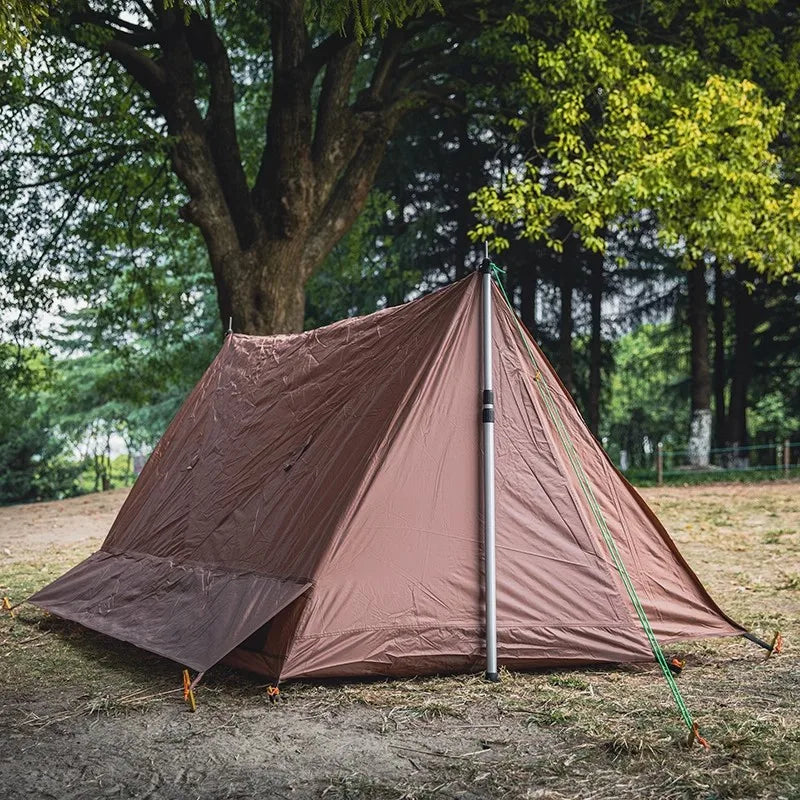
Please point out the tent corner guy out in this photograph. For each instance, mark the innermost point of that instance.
(316, 509)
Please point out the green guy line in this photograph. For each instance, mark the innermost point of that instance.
(586, 487)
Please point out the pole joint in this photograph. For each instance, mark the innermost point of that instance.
(488, 405)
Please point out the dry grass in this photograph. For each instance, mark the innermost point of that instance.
(590, 733)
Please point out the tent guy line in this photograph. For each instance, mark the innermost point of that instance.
(586, 486)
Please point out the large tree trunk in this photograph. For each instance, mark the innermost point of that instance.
(736, 429)
(700, 430)
(325, 136)
(262, 290)
(567, 273)
(596, 283)
(719, 355)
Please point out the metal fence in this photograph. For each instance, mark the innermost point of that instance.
(774, 459)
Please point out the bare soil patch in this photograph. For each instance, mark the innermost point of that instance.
(83, 716)
(60, 523)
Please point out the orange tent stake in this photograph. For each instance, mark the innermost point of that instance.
(6, 606)
(188, 691)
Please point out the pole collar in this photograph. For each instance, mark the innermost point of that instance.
(485, 267)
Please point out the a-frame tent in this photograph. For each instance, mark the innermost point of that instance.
(315, 509)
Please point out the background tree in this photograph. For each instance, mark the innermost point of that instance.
(326, 84)
(640, 127)
(35, 459)
(611, 136)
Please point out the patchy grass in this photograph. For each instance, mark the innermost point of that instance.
(593, 733)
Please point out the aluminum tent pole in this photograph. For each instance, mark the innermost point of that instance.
(488, 469)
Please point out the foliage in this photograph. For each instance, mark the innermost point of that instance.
(18, 19)
(135, 358)
(365, 18)
(79, 202)
(35, 459)
(646, 391)
(774, 416)
(632, 127)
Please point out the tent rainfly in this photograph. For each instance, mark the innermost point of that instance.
(320, 506)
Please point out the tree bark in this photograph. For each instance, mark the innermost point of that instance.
(596, 284)
(567, 272)
(464, 221)
(529, 286)
(719, 355)
(322, 146)
(262, 289)
(736, 429)
(700, 430)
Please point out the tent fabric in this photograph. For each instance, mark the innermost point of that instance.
(675, 601)
(319, 496)
(191, 613)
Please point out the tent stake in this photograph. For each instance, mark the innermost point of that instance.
(488, 469)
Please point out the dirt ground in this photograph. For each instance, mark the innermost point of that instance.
(83, 716)
(34, 527)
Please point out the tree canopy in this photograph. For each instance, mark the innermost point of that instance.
(625, 125)
(166, 166)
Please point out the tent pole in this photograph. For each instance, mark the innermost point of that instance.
(488, 469)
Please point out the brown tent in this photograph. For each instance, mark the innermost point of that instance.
(314, 509)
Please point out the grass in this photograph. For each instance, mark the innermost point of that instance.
(647, 477)
(593, 732)
(120, 474)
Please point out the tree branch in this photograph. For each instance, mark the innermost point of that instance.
(333, 113)
(207, 47)
(80, 169)
(441, 95)
(142, 69)
(147, 11)
(392, 47)
(170, 82)
(347, 198)
(327, 49)
(129, 32)
(284, 187)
